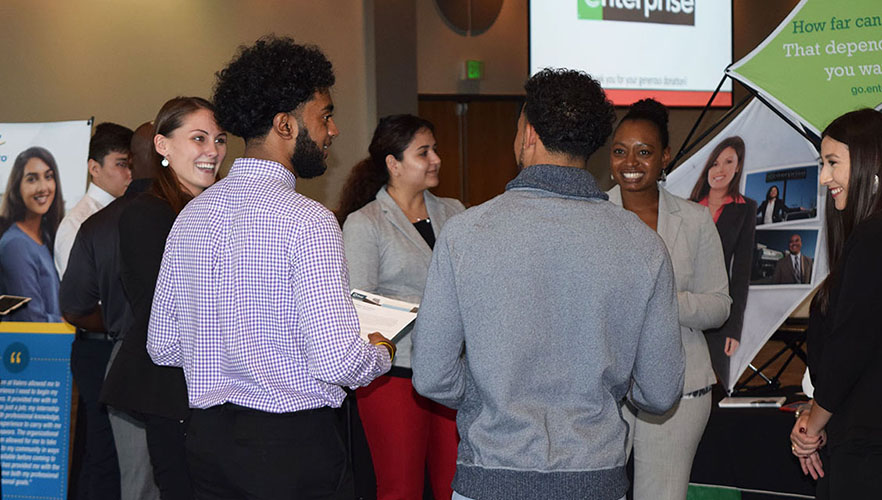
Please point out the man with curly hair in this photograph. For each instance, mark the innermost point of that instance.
(561, 301)
(252, 298)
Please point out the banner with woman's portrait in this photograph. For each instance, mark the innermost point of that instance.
(43, 168)
(773, 194)
(68, 142)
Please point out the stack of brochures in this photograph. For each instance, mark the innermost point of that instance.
(394, 319)
(748, 402)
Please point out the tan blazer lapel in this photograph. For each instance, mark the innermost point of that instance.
(669, 219)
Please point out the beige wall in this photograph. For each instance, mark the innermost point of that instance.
(120, 60)
(441, 52)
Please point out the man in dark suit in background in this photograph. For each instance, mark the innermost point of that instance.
(92, 298)
(794, 267)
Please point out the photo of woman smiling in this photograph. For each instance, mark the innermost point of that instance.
(31, 211)
(718, 188)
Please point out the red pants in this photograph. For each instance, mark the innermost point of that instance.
(408, 434)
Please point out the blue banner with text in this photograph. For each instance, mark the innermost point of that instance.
(35, 409)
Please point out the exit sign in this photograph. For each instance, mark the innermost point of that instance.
(474, 70)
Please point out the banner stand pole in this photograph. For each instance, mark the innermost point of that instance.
(707, 106)
(816, 141)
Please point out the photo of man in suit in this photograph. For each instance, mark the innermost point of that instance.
(794, 267)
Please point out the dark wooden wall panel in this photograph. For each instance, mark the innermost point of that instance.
(490, 131)
(443, 114)
(475, 141)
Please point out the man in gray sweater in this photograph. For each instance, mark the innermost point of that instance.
(544, 308)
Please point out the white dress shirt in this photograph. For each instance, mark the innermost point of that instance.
(770, 210)
(94, 200)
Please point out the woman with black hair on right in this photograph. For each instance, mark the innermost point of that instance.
(718, 188)
(845, 331)
(390, 222)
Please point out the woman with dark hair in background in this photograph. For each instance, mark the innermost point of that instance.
(771, 209)
(717, 188)
(845, 331)
(390, 222)
(192, 147)
(664, 445)
(31, 211)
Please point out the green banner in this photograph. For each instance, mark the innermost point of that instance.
(825, 59)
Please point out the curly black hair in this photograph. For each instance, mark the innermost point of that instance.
(275, 75)
(653, 112)
(569, 111)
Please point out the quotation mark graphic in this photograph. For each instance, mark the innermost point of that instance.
(16, 357)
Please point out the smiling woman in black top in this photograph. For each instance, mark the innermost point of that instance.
(191, 146)
(845, 333)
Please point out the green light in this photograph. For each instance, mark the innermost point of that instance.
(474, 70)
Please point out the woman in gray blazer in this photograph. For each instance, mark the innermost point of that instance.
(390, 222)
(664, 445)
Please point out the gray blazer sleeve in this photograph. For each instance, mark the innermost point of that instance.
(706, 304)
(660, 365)
(362, 252)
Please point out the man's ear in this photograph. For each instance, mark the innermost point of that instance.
(530, 135)
(285, 126)
(93, 167)
(666, 157)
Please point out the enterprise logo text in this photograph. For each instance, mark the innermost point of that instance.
(640, 11)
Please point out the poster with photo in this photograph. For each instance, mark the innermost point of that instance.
(784, 194)
(784, 257)
(761, 146)
(67, 143)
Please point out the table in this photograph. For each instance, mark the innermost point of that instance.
(749, 449)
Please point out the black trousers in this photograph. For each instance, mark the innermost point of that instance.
(99, 468)
(239, 453)
(165, 442)
(851, 472)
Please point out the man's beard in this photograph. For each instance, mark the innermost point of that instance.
(308, 158)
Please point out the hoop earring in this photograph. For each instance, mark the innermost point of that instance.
(164, 162)
(875, 183)
(663, 177)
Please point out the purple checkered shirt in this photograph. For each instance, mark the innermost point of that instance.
(253, 299)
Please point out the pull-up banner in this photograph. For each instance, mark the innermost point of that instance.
(825, 59)
(776, 160)
(35, 408)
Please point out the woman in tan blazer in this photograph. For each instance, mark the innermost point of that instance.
(664, 445)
